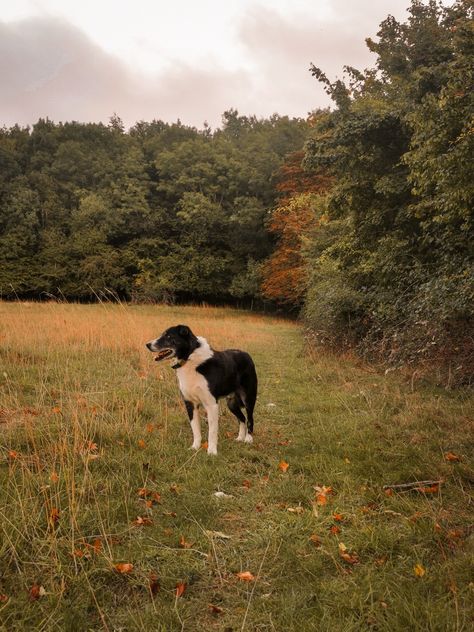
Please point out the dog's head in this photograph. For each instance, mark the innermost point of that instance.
(176, 342)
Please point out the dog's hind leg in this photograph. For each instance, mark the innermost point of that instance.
(249, 398)
(235, 404)
(193, 414)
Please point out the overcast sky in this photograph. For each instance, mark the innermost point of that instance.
(188, 59)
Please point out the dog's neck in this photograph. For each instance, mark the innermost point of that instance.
(199, 355)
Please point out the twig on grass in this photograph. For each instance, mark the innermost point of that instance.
(414, 485)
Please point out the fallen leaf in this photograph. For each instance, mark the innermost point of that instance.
(453, 458)
(215, 609)
(13, 454)
(315, 539)
(183, 544)
(53, 517)
(141, 521)
(141, 443)
(204, 445)
(180, 589)
(150, 427)
(54, 477)
(419, 570)
(283, 466)
(335, 529)
(246, 483)
(350, 558)
(36, 592)
(388, 491)
(123, 568)
(432, 489)
(3, 598)
(217, 534)
(246, 576)
(321, 499)
(153, 583)
(284, 443)
(56, 410)
(97, 545)
(338, 517)
(296, 510)
(222, 495)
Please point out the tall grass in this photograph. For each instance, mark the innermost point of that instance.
(91, 429)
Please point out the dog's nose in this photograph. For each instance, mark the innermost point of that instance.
(148, 345)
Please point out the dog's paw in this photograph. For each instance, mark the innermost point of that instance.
(195, 446)
(248, 439)
(240, 438)
(212, 450)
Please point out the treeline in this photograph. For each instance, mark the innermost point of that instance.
(360, 217)
(161, 212)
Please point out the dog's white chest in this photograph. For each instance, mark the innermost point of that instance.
(193, 385)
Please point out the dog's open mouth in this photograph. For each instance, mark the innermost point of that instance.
(164, 353)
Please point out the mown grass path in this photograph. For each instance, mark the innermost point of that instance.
(104, 511)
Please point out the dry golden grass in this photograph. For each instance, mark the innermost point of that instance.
(87, 419)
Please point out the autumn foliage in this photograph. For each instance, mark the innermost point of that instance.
(284, 274)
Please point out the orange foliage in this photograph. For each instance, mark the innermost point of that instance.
(284, 273)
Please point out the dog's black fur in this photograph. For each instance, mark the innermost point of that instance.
(229, 374)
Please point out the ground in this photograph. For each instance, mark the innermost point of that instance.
(109, 522)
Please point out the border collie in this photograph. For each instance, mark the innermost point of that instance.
(204, 376)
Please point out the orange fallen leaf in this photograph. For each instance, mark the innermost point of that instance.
(453, 458)
(315, 539)
(246, 576)
(180, 589)
(56, 410)
(338, 517)
(388, 491)
(335, 529)
(283, 466)
(150, 428)
(13, 454)
(419, 570)
(432, 489)
(246, 483)
(321, 499)
(123, 568)
(92, 446)
(54, 477)
(204, 445)
(183, 544)
(53, 517)
(141, 443)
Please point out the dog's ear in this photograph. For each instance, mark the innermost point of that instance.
(184, 331)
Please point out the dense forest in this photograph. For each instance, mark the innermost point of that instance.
(359, 217)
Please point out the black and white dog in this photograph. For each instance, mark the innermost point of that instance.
(204, 376)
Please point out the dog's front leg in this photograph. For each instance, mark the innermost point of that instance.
(193, 414)
(212, 411)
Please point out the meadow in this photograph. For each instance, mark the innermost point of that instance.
(109, 522)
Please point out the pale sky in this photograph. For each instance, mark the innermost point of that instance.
(192, 60)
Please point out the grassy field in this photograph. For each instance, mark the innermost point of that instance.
(109, 522)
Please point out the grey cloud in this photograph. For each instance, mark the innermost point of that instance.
(50, 68)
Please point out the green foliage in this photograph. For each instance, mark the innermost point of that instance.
(392, 270)
(161, 212)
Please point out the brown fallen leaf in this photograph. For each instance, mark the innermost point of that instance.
(180, 589)
(246, 483)
(215, 609)
(246, 576)
(36, 592)
(54, 477)
(3, 598)
(350, 558)
(141, 521)
(53, 517)
(124, 568)
(315, 539)
(283, 466)
(150, 428)
(453, 458)
(335, 529)
(153, 583)
(141, 443)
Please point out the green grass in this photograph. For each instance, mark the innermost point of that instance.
(87, 419)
